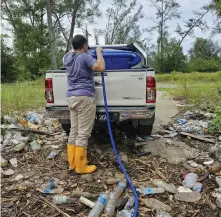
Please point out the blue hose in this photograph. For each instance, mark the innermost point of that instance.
(135, 214)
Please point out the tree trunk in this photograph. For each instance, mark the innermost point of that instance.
(52, 36)
(71, 31)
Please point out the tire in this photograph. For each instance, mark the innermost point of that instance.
(66, 128)
(144, 130)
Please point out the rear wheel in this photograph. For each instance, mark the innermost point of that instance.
(144, 130)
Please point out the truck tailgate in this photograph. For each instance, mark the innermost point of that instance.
(123, 88)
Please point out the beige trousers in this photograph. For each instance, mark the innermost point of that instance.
(82, 115)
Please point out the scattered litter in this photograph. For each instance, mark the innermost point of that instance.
(121, 203)
(188, 196)
(190, 180)
(4, 162)
(113, 181)
(33, 118)
(193, 163)
(208, 162)
(156, 204)
(19, 147)
(14, 162)
(18, 177)
(63, 199)
(8, 172)
(78, 194)
(53, 154)
(162, 184)
(182, 121)
(150, 191)
(35, 146)
(215, 168)
(182, 189)
(86, 202)
(50, 188)
(218, 181)
(197, 187)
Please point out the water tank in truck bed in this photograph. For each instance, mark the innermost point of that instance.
(118, 59)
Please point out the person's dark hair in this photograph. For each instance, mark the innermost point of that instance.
(78, 42)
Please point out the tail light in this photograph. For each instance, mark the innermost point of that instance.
(49, 96)
(151, 90)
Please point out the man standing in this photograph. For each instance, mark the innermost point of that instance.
(80, 66)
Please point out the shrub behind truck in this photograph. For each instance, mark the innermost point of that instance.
(131, 93)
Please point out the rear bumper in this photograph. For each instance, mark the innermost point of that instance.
(119, 113)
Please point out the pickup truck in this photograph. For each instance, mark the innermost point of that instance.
(131, 94)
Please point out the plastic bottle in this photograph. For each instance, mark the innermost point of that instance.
(190, 180)
(188, 196)
(121, 202)
(156, 204)
(119, 189)
(62, 199)
(148, 191)
(162, 184)
(86, 202)
(111, 205)
(197, 187)
(99, 206)
(130, 203)
(124, 213)
(161, 213)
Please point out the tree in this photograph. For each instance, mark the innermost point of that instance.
(8, 73)
(166, 10)
(173, 58)
(30, 35)
(122, 21)
(52, 35)
(205, 56)
(79, 12)
(193, 23)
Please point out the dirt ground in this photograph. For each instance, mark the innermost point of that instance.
(21, 197)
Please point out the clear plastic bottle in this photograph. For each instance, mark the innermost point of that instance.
(111, 205)
(124, 213)
(156, 204)
(190, 180)
(161, 213)
(162, 184)
(188, 196)
(119, 189)
(62, 199)
(99, 206)
(130, 203)
(149, 191)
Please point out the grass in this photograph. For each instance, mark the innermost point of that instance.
(200, 89)
(193, 76)
(22, 96)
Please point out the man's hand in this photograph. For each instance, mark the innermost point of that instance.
(99, 49)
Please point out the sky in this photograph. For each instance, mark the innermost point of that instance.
(186, 11)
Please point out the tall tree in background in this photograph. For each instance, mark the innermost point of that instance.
(166, 10)
(205, 56)
(122, 21)
(52, 35)
(30, 35)
(79, 12)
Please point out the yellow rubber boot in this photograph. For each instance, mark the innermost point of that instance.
(71, 156)
(81, 161)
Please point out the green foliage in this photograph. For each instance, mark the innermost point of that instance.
(215, 125)
(22, 95)
(170, 59)
(8, 72)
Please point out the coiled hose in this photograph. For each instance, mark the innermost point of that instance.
(136, 206)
